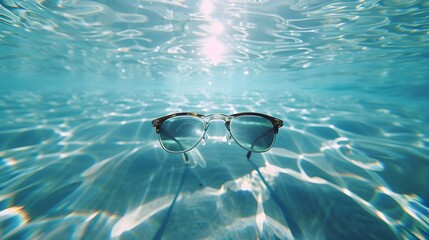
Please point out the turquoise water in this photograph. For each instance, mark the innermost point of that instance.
(81, 81)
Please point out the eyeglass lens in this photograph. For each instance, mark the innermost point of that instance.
(181, 133)
(253, 133)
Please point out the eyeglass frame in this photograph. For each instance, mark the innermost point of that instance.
(276, 122)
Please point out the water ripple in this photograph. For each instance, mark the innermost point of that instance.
(164, 36)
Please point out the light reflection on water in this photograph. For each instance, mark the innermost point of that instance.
(89, 165)
(158, 39)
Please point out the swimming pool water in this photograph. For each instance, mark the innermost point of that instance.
(81, 81)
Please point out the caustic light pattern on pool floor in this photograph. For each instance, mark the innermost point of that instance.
(90, 166)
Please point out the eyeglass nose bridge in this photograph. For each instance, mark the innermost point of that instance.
(217, 116)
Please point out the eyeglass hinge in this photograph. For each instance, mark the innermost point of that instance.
(155, 124)
(279, 122)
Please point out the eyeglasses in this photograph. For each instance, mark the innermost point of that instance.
(181, 132)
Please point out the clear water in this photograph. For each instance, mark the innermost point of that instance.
(80, 82)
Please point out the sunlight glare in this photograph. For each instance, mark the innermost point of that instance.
(216, 28)
(207, 7)
(214, 50)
